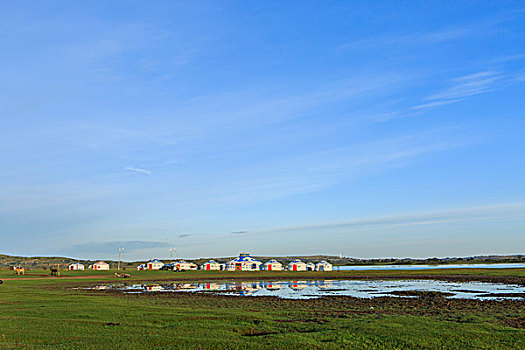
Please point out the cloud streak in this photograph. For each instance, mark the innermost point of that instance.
(138, 170)
(480, 213)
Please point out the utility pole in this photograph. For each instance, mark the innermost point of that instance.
(172, 249)
(119, 254)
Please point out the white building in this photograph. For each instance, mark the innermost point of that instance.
(244, 263)
(76, 266)
(272, 265)
(155, 264)
(310, 266)
(323, 266)
(211, 265)
(142, 267)
(182, 265)
(101, 265)
(296, 265)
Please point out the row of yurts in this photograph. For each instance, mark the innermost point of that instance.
(242, 263)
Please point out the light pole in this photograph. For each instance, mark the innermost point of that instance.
(119, 254)
(172, 249)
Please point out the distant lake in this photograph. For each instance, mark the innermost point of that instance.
(428, 267)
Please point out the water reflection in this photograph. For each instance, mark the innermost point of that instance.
(309, 289)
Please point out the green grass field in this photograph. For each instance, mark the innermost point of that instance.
(40, 313)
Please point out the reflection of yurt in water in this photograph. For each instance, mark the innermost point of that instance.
(244, 288)
(298, 285)
(272, 285)
(326, 284)
(154, 288)
(185, 286)
(211, 286)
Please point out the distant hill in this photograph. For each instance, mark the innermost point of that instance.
(44, 262)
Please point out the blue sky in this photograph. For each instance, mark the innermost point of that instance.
(371, 129)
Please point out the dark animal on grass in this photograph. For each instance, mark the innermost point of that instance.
(123, 275)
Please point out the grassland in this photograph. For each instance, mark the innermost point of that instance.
(41, 313)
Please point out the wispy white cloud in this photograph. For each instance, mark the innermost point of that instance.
(138, 170)
(314, 171)
(421, 38)
(468, 85)
(435, 104)
(480, 213)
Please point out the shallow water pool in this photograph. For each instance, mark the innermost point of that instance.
(321, 288)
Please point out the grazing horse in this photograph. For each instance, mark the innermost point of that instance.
(55, 271)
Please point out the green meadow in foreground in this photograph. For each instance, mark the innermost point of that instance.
(54, 314)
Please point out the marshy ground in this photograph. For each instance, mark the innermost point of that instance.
(50, 314)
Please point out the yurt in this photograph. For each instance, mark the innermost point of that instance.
(155, 264)
(142, 267)
(323, 266)
(101, 265)
(211, 265)
(296, 265)
(310, 266)
(182, 265)
(76, 266)
(244, 263)
(272, 265)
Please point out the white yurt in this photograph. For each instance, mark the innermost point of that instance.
(211, 265)
(76, 266)
(100, 265)
(142, 267)
(323, 266)
(244, 263)
(296, 265)
(272, 265)
(310, 266)
(155, 264)
(182, 265)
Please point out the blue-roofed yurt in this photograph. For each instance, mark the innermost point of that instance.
(76, 266)
(296, 265)
(272, 265)
(211, 265)
(244, 263)
(310, 266)
(155, 264)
